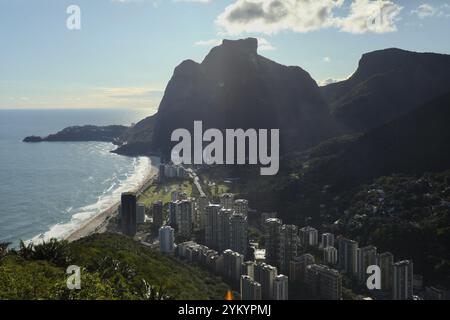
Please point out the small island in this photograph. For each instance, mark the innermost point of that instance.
(112, 133)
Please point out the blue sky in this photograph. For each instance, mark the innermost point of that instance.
(126, 50)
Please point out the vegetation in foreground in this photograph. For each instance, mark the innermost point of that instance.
(112, 267)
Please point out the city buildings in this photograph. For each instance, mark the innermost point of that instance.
(238, 233)
(224, 229)
(232, 265)
(227, 201)
(183, 209)
(250, 289)
(386, 264)
(212, 225)
(367, 256)
(347, 256)
(297, 267)
(157, 212)
(281, 288)
(403, 280)
(327, 240)
(330, 256)
(323, 282)
(140, 213)
(128, 213)
(289, 246)
(241, 206)
(309, 237)
(272, 228)
(166, 239)
(265, 275)
(202, 203)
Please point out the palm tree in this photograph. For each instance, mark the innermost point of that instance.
(4, 249)
(149, 292)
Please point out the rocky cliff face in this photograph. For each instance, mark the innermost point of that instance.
(387, 84)
(234, 87)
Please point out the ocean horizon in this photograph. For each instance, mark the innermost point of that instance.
(50, 189)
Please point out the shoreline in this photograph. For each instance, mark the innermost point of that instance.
(99, 222)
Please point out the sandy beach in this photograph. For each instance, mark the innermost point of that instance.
(99, 223)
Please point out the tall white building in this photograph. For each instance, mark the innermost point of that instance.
(289, 246)
(323, 282)
(184, 218)
(330, 255)
(232, 265)
(227, 201)
(224, 229)
(386, 264)
(403, 280)
(250, 289)
(281, 288)
(297, 267)
(238, 233)
(327, 240)
(309, 237)
(212, 225)
(166, 239)
(241, 206)
(265, 274)
(202, 203)
(347, 256)
(140, 213)
(367, 256)
(272, 227)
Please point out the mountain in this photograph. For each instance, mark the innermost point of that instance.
(387, 84)
(234, 87)
(411, 144)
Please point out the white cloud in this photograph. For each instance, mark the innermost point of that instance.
(273, 16)
(427, 10)
(326, 59)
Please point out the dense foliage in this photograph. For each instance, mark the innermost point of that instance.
(112, 267)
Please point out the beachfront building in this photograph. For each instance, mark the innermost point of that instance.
(140, 213)
(166, 239)
(157, 212)
(128, 213)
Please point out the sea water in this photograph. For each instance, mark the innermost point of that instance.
(49, 189)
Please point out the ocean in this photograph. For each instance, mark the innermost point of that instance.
(48, 189)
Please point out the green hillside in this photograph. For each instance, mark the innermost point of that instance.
(113, 267)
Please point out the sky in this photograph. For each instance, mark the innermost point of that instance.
(124, 51)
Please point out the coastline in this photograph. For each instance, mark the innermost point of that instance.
(99, 222)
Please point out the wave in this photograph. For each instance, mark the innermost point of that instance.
(109, 197)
